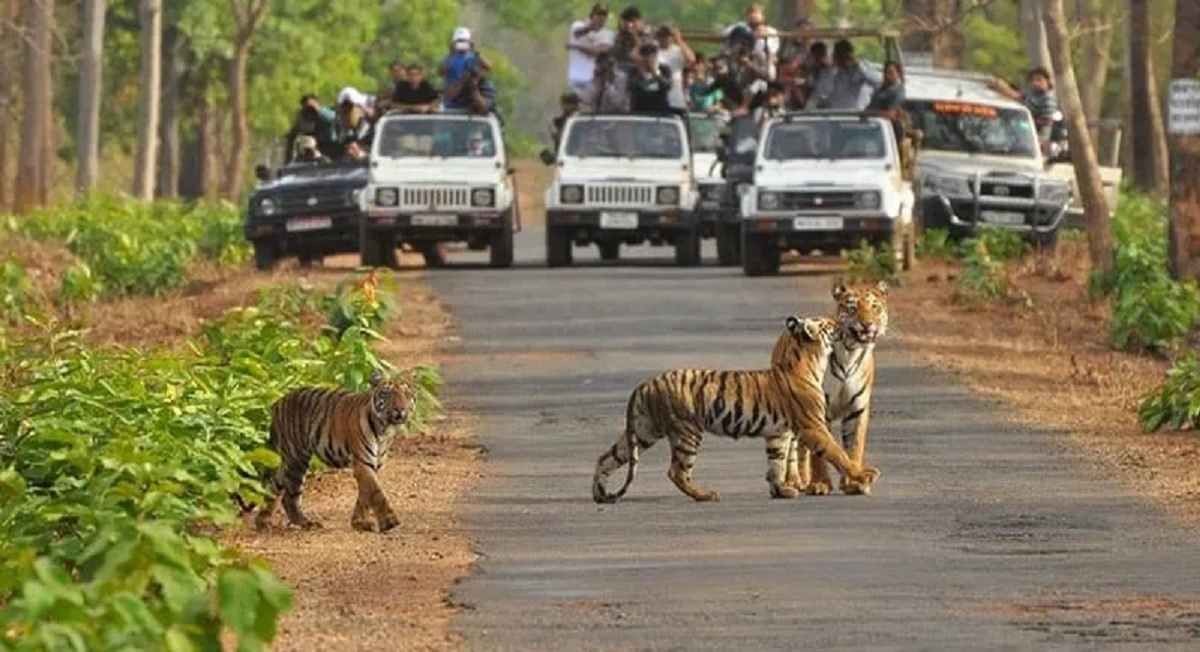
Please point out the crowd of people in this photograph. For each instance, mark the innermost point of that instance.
(345, 130)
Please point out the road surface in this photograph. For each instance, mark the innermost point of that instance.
(979, 535)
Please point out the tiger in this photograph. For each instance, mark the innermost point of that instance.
(343, 429)
(684, 404)
(862, 315)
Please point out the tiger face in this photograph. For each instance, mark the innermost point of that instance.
(807, 330)
(392, 399)
(862, 312)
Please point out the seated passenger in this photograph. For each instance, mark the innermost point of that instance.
(312, 120)
(479, 145)
(570, 106)
(307, 152)
(1038, 97)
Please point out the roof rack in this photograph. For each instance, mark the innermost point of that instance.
(821, 33)
(942, 73)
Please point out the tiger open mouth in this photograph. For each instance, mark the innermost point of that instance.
(864, 333)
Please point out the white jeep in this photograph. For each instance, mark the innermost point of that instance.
(439, 177)
(622, 179)
(825, 180)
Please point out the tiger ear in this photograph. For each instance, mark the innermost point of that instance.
(839, 289)
(376, 377)
(882, 286)
(812, 329)
(792, 323)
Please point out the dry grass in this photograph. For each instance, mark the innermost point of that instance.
(1051, 365)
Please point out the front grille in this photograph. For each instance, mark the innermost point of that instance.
(799, 201)
(1018, 190)
(620, 195)
(435, 197)
(313, 200)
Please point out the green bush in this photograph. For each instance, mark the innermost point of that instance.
(983, 278)
(1151, 311)
(114, 460)
(136, 248)
(1176, 403)
(15, 292)
(868, 263)
(936, 244)
(1002, 244)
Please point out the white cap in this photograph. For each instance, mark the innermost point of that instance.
(353, 95)
(462, 34)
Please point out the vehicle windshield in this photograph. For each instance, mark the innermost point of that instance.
(435, 138)
(973, 128)
(826, 139)
(705, 133)
(617, 138)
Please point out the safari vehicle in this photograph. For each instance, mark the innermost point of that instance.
(436, 178)
(624, 178)
(713, 209)
(980, 164)
(736, 156)
(309, 210)
(825, 180)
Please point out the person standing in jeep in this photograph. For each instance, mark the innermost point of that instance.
(609, 90)
(314, 120)
(414, 93)
(588, 39)
(632, 33)
(650, 87)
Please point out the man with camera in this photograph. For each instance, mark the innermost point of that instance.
(588, 39)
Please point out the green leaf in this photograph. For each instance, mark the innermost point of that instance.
(177, 640)
(237, 600)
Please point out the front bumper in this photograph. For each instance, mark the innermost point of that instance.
(433, 223)
(965, 215)
(823, 232)
(621, 220)
(326, 234)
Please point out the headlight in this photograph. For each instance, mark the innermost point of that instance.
(768, 200)
(387, 197)
(1055, 192)
(867, 200)
(952, 186)
(483, 197)
(571, 194)
(267, 207)
(667, 195)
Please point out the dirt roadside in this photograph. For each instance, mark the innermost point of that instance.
(1050, 364)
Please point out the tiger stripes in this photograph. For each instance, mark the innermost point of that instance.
(684, 404)
(343, 429)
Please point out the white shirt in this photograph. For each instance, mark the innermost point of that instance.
(672, 57)
(580, 65)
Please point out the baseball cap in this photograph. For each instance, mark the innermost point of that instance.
(462, 34)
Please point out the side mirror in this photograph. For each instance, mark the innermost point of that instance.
(262, 172)
(546, 156)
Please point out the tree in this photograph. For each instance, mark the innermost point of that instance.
(791, 11)
(247, 15)
(1034, 31)
(1185, 151)
(1149, 170)
(936, 26)
(10, 55)
(33, 159)
(1083, 154)
(149, 87)
(91, 67)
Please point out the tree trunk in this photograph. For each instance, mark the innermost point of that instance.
(949, 43)
(30, 159)
(791, 11)
(1150, 171)
(246, 15)
(1185, 152)
(193, 172)
(1083, 155)
(90, 71)
(1096, 51)
(149, 88)
(1034, 31)
(918, 36)
(174, 68)
(10, 55)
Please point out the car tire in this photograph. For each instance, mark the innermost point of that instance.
(266, 255)
(687, 247)
(379, 250)
(558, 247)
(729, 244)
(500, 253)
(609, 250)
(433, 254)
(760, 256)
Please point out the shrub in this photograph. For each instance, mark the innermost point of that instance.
(1002, 244)
(1176, 403)
(1151, 311)
(868, 263)
(15, 292)
(983, 278)
(936, 244)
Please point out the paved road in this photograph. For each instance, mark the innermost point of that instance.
(979, 535)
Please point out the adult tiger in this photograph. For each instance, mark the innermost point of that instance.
(683, 404)
(342, 429)
(862, 315)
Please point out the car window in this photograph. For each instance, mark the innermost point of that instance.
(826, 139)
(973, 128)
(617, 138)
(705, 133)
(435, 137)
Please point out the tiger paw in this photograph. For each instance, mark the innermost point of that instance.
(707, 497)
(852, 488)
(818, 489)
(363, 525)
(389, 521)
(865, 476)
(784, 491)
(309, 524)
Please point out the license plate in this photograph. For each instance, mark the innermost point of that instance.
(618, 220)
(309, 223)
(817, 223)
(1003, 217)
(435, 220)
(710, 203)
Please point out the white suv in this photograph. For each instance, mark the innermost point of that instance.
(825, 180)
(622, 179)
(439, 177)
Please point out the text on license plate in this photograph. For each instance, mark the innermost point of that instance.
(618, 220)
(817, 223)
(1002, 217)
(434, 220)
(309, 223)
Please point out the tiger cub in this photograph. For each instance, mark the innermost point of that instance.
(342, 429)
(684, 404)
(862, 315)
